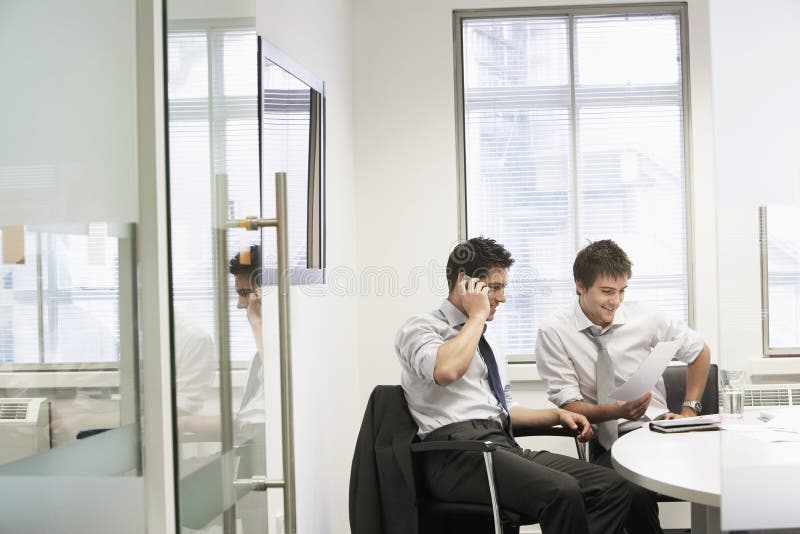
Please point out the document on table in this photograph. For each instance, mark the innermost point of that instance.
(646, 376)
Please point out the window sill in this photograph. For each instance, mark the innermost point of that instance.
(523, 372)
(88, 379)
(59, 379)
(782, 367)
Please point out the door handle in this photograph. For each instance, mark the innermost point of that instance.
(257, 483)
(252, 223)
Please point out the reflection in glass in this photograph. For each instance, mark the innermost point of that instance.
(64, 308)
(213, 138)
(292, 141)
(70, 440)
(66, 294)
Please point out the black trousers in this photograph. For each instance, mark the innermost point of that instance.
(643, 517)
(566, 495)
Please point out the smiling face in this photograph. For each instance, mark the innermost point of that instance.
(601, 300)
(496, 280)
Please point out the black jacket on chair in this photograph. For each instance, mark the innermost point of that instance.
(382, 493)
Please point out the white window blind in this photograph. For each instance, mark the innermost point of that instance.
(573, 131)
(19, 324)
(783, 278)
(287, 116)
(213, 129)
(62, 304)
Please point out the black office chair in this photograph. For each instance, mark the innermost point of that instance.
(434, 516)
(675, 384)
(441, 517)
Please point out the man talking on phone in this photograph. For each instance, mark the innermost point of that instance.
(455, 382)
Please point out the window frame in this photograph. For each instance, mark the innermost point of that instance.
(677, 8)
(47, 250)
(763, 244)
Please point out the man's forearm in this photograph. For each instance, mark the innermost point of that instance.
(595, 413)
(527, 417)
(697, 374)
(455, 355)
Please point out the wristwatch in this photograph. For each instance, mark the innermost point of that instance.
(696, 406)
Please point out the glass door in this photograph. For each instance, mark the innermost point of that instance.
(246, 209)
(215, 277)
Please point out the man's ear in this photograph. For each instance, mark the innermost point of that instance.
(579, 287)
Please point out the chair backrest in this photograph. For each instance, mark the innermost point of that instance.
(675, 382)
(382, 484)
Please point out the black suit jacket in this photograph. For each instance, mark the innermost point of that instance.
(382, 492)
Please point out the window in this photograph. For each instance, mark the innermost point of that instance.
(780, 260)
(213, 129)
(62, 305)
(572, 128)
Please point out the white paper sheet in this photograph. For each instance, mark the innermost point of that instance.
(646, 376)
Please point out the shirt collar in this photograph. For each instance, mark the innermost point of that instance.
(455, 317)
(582, 322)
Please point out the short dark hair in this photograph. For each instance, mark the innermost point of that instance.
(600, 258)
(475, 257)
(252, 269)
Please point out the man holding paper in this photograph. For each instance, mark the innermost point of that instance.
(590, 348)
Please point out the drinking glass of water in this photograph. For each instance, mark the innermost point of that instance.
(732, 387)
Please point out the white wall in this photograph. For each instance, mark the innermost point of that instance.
(317, 34)
(406, 164)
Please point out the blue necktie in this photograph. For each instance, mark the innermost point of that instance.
(494, 377)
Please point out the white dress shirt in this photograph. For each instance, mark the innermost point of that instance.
(567, 358)
(469, 397)
(195, 365)
(252, 408)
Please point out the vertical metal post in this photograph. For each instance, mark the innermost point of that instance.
(487, 459)
(223, 348)
(129, 362)
(287, 417)
(39, 295)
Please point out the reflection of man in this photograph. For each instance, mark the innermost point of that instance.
(249, 418)
(195, 364)
(457, 388)
(588, 348)
(247, 281)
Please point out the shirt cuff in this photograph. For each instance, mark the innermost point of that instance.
(565, 396)
(692, 350)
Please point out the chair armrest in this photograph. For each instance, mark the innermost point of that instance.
(454, 445)
(544, 431)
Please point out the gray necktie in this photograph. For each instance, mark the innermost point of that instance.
(607, 431)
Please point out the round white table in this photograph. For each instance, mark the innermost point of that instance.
(685, 466)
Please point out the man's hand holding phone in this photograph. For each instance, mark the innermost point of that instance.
(474, 295)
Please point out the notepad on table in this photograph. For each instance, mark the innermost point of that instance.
(687, 424)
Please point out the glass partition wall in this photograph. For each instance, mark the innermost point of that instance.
(102, 321)
(70, 432)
